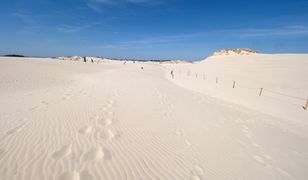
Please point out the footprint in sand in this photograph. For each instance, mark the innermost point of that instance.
(107, 134)
(94, 154)
(110, 103)
(69, 175)
(83, 92)
(106, 122)
(14, 130)
(240, 142)
(103, 108)
(266, 156)
(117, 94)
(86, 130)
(248, 135)
(284, 173)
(178, 132)
(256, 145)
(259, 159)
(66, 97)
(63, 152)
(35, 108)
(250, 121)
(168, 114)
(85, 175)
(199, 170)
(245, 128)
(246, 131)
(95, 118)
(110, 113)
(44, 103)
(187, 142)
(171, 105)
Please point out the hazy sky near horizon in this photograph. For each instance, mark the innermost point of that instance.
(151, 29)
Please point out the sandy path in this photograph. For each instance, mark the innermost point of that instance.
(115, 121)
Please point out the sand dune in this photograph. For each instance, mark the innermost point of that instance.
(283, 79)
(69, 120)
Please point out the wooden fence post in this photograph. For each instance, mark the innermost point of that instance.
(216, 80)
(261, 91)
(203, 76)
(233, 84)
(196, 75)
(306, 106)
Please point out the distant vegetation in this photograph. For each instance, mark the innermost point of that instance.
(14, 55)
(238, 51)
(78, 58)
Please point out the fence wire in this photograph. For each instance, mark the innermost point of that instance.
(204, 76)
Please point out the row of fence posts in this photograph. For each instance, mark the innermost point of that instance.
(234, 85)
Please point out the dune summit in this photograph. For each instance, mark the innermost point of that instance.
(115, 120)
(236, 51)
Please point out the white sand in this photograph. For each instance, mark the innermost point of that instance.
(69, 120)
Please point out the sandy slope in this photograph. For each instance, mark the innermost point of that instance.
(283, 77)
(65, 120)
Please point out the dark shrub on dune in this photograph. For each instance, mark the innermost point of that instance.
(14, 55)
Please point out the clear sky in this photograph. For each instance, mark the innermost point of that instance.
(151, 29)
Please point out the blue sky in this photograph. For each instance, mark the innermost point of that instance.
(151, 29)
